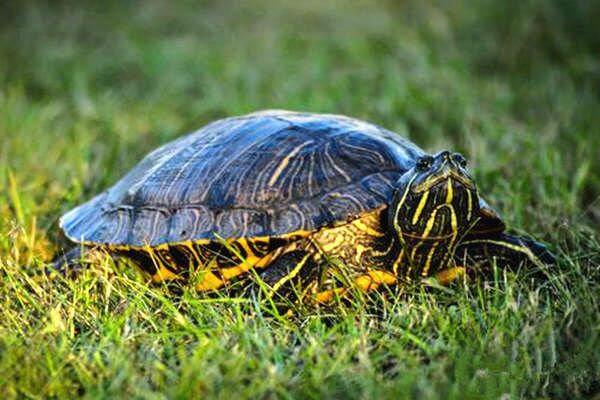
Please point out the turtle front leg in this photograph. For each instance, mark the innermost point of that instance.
(481, 253)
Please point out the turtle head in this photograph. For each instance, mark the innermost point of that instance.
(435, 204)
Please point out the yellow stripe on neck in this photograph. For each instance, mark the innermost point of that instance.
(449, 192)
(420, 208)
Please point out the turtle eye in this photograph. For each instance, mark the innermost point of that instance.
(424, 163)
(459, 159)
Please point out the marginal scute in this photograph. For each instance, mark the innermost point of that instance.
(186, 221)
(122, 217)
(238, 223)
(288, 220)
(149, 225)
(264, 174)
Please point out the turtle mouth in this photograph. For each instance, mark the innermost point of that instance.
(443, 177)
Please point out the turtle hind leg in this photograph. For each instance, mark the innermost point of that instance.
(480, 254)
(68, 262)
(72, 262)
(289, 276)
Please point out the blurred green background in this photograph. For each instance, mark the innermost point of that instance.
(87, 88)
(508, 84)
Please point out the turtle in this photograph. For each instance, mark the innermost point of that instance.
(314, 203)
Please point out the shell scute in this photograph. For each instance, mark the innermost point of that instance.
(187, 221)
(381, 184)
(149, 225)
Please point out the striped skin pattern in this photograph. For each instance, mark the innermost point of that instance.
(225, 265)
(220, 264)
(281, 194)
(438, 207)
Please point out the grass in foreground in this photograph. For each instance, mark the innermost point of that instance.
(86, 91)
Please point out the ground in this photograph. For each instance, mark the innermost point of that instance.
(86, 89)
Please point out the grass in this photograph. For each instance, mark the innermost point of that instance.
(86, 89)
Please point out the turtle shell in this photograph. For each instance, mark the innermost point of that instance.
(264, 174)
